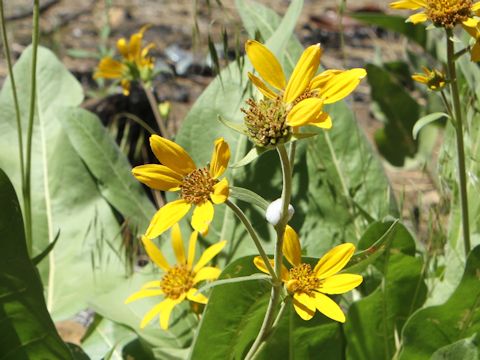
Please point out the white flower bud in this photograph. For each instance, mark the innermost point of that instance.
(274, 212)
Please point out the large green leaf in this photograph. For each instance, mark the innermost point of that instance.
(437, 326)
(374, 320)
(26, 329)
(65, 197)
(109, 166)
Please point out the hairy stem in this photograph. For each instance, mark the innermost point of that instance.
(458, 124)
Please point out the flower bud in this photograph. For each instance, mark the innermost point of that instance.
(274, 212)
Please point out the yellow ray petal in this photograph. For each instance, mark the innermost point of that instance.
(341, 85)
(260, 85)
(340, 283)
(418, 18)
(206, 273)
(304, 112)
(220, 158)
(166, 216)
(322, 78)
(155, 254)
(109, 68)
(408, 4)
(470, 22)
(194, 295)
(143, 294)
(158, 177)
(122, 47)
(153, 312)
(334, 260)
(476, 7)
(258, 262)
(420, 78)
(323, 121)
(473, 31)
(191, 248)
(266, 64)
(167, 310)
(171, 155)
(209, 254)
(135, 46)
(177, 244)
(202, 217)
(291, 246)
(220, 192)
(151, 284)
(328, 307)
(304, 305)
(475, 52)
(303, 73)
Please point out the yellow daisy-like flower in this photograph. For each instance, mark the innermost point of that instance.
(198, 187)
(434, 79)
(304, 95)
(444, 13)
(475, 50)
(135, 63)
(308, 286)
(179, 281)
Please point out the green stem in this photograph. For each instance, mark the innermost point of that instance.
(280, 229)
(6, 47)
(156, 112)
(459, 135)
(251, 231)
(31, 118)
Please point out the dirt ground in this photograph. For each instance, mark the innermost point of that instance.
(72, 29)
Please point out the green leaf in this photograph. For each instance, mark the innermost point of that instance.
(400, 110)
(37, 259)
(252, 155)
(109, 166)
(65, 197)
(249, 197)
(438, 326)
(465, 349)
(233, 315)
(384, 311)
(26, 331)
(425, 120)
(415, 32)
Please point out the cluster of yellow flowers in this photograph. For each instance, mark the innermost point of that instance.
(273, 119)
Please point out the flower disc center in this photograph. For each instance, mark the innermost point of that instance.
(302, 280)
(448, 13)
(177, 281)
(197, 186)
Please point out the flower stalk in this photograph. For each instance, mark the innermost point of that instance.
(154, 105)
(458, 125)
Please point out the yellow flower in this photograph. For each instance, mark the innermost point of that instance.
(434, 79)
(198, 187)
(308, 286)
(135, 63)
(304, 95)
(178, 282)
(475, 50)
(444, 13)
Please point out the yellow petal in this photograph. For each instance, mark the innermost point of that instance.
(420, 78)
(334, 260)
(125, 86)
(191, 248)
(261, 86)
(153, 312)
(408, 4)
(155, 254)
(209, 254)
(220, 158)
(305, 112)
(328, 307)
(418, 18)
(475, 52)
(304, 305)
(151, 284)
(266, 64)
(109, 68)
(291, 246)
(341, 85)
(202, 217)
(341, 283)
(473, 31)
(206, 273)
(135, 46)
(177, 244)
(220, 192)
(143, 294)
(122, 47)
(167, 310)
(303, 73)
(166, 216)
(470, 22)
(194, 295)
(260, 264)
(158, 177)
(322, 78)
(476, 6)
(171, 155)
(322, 121)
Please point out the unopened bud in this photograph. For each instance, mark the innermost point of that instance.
(274, 212)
